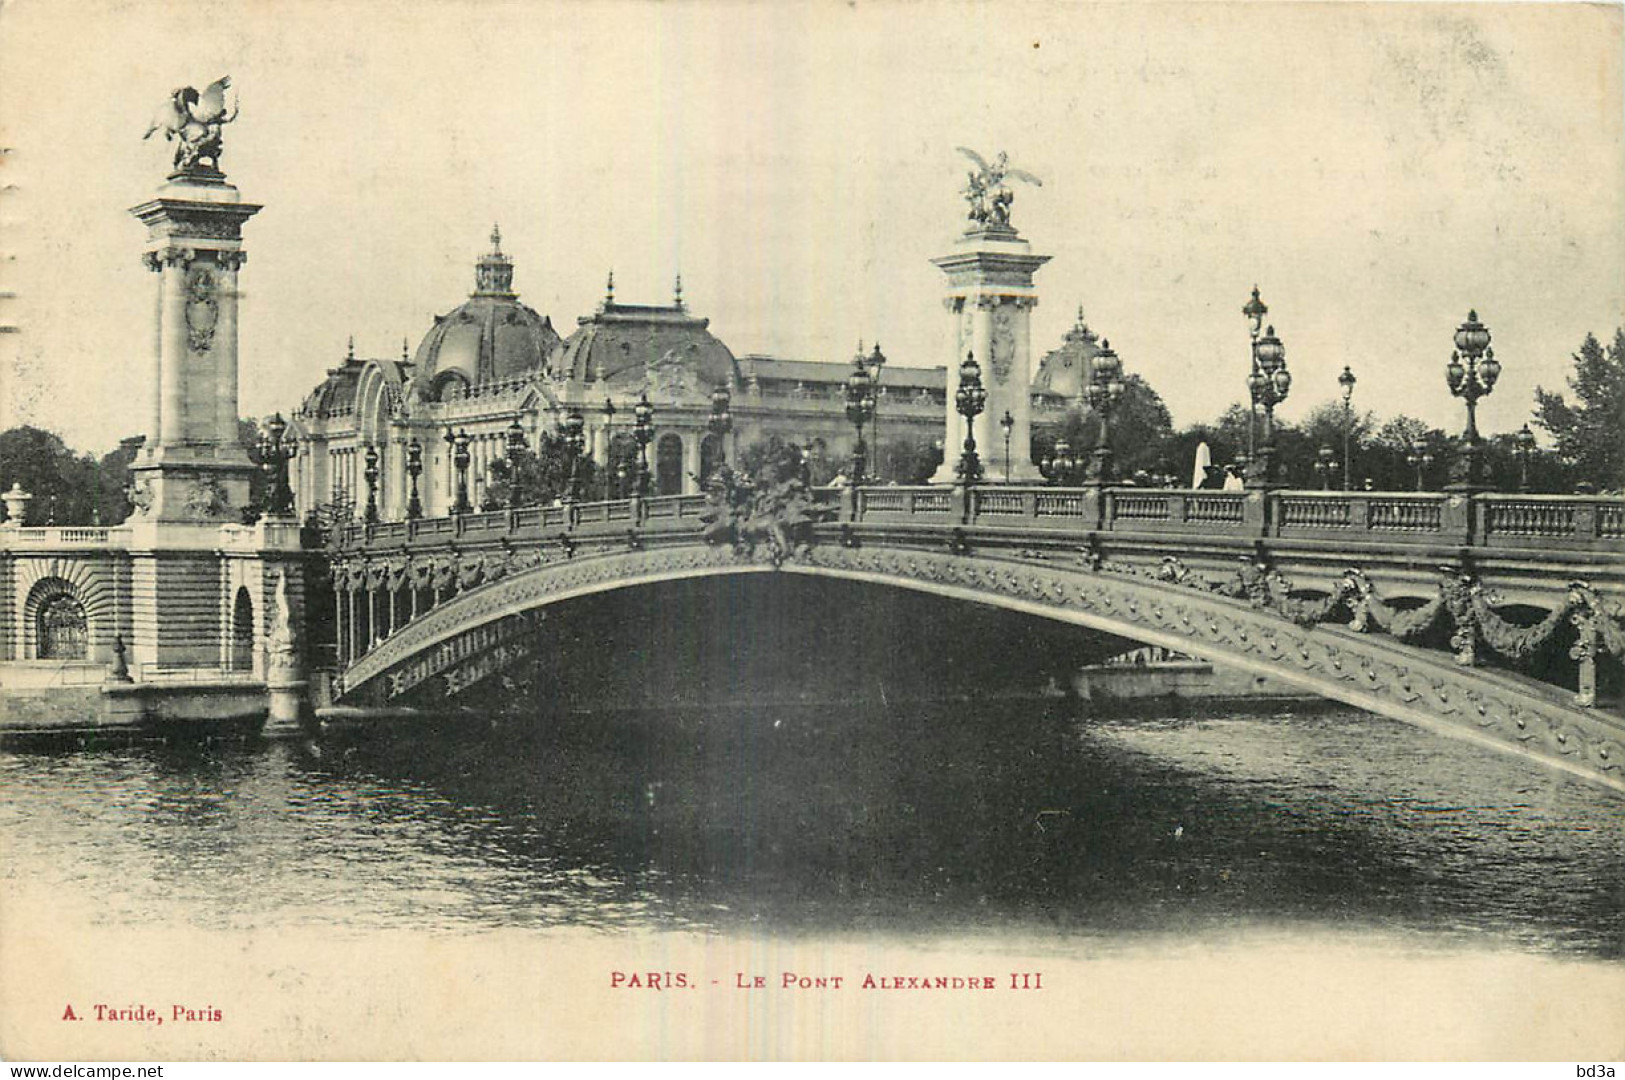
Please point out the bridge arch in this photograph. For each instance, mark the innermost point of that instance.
(1370, 672)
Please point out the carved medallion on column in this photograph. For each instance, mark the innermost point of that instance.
(1004, 344)
(202, 309)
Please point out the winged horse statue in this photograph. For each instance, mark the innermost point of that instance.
(195, 120)
(985, 190)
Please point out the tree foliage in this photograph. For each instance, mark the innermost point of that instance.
(1140, 436)
(1589, 431)
(542, 475)
(68, 488)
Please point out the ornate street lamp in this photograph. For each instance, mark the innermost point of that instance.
(1476, 379)
(515, 445)
(969, 400)
(1007, 424)
(1524, 447)
(877, 360)
(643, 430)
(1255, 310)
(609, 446)
(414, 469)
(1104, 389)
(1059, 466)
(460, 457)
(278, 450)
(1325, 465)
(575, 437)
(370, 474)
(1269, 383)
(1418, 458)
(860, 406)
(722, 419)
(1346, 381)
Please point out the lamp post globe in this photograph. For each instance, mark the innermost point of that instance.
(514, 445)
(1103, 392)
(722, 420)
(1255, 309)
(860, 407)
(608, 411)
(460, 457)
(877, 361)
(969, 400)
(643, 429)
(1347, 381)
(1268, 383)
(370, 474)
(414, 469)
(279, 449)
(1471, 381)
(1524, 447)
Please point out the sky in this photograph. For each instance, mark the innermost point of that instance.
(1377, 170)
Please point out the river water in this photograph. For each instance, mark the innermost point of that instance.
(926, 821)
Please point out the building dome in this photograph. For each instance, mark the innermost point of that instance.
(621, 345)
(1064, 372)
(334, 395)
(491, 337)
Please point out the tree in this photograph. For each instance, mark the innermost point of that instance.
(908, 461)
(1226, 440)
(1588, 432)
(68, 488)
(1141, 431)
(1386, 458)
(542, 475)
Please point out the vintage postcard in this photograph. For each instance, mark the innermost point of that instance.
(814, 531)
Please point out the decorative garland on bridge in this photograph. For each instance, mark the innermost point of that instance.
(1469, 606)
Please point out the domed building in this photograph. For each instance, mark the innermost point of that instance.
(489, 338)
(493, 365)
(1063, 373)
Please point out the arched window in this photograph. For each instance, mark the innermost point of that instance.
(711, 449)
(242, 632)
(669, 465)
(62, 629)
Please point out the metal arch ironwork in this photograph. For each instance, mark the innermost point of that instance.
(1377, 673)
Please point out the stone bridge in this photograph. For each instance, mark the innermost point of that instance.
(1489, 618)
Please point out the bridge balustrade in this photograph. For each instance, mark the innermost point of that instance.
(1567, 520)
(1386, 518)
(52, 536)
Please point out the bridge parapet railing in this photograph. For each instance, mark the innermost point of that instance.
(900, 503)
(1564, 520)
(1175, 510)
(1393, 517)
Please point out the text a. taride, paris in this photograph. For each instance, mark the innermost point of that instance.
(147, 1014)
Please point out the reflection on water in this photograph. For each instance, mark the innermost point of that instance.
(912, 819)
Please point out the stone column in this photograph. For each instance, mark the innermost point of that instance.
(226, 332)
(991, 297)
(172, 350)
(155, 367)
